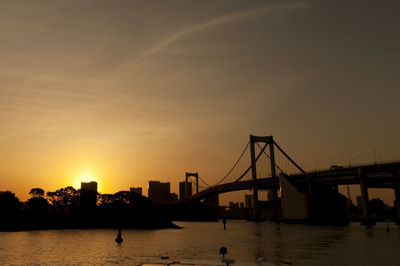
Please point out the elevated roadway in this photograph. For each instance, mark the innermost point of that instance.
(385, 175)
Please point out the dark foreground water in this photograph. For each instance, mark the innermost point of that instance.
(246, 241)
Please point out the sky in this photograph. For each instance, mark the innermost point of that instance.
(123, 92)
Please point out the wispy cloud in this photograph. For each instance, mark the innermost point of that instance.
(230, 18)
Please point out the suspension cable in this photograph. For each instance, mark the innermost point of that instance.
(191, 179)
(277, 166)
(203, 181)
(248, 169)
(240, 157)
(290, 159)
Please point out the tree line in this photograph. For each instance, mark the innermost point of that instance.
(64, 208)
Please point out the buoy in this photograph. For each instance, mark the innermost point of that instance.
(119, 239)
(223, 251)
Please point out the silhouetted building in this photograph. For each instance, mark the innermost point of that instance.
(328, 206)
(182, 190)
(173, 198)
(136, 190)
(159, 192)
(88, 194)
(248, 201)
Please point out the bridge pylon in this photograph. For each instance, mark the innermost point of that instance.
(196, 176)
(269, 141)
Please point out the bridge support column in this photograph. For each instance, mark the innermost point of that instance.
(268, 140)
(254, 177)
(195, 175)
(273, 169)
(186, 188)
(397, 204)
(367, 220)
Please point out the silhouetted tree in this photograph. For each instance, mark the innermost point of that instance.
(9, 204)
(117, 201)
(37, 193)
(120, 209)
(37, 203)
(64, 198)
(122, 197)
(10, 210)
(105, 199)
(139, 201)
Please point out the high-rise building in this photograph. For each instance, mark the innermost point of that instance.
(248, 201)
(88, 194)
(173, 198)
(182, 192)
(136, 190)
(159, 192)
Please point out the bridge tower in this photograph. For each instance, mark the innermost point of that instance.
(196, 176)
(268, 140)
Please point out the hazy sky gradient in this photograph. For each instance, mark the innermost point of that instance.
(129, 91)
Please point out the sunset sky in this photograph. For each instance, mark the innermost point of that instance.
(123, 92)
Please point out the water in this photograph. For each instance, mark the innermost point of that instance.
(246, 241)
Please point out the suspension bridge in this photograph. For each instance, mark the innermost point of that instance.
(269, 167)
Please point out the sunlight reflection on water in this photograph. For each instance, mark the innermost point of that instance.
(246, 241)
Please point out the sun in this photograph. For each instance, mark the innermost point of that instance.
(84, 176)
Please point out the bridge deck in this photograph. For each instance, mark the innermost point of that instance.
(386, 175)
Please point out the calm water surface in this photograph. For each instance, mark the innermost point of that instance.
(246, 241)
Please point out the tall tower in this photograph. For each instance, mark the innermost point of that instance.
(196, 176)
(268, 140)
(88, 195)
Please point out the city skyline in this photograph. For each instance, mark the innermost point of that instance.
(125, 92)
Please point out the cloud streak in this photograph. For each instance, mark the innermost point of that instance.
(226, 19)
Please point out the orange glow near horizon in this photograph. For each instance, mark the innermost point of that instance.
(103, 100)
(84, 176)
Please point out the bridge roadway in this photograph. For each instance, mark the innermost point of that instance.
(384, 175)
